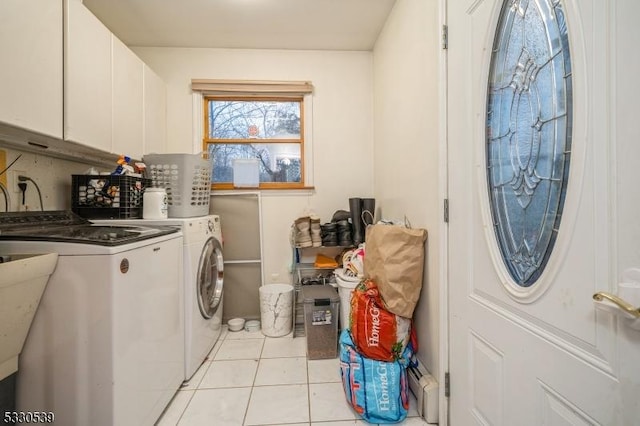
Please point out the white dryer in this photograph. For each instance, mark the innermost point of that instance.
(203, 282)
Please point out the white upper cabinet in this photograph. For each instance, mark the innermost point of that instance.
(88, 100)
(65, 76)
(31, 69)
(127, 101)
(155, 113)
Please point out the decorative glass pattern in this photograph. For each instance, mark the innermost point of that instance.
(529, 123)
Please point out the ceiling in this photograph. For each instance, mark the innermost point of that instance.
(245, 24)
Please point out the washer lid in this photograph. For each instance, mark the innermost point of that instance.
(65, 226)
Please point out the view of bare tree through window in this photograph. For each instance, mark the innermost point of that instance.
(265, 129)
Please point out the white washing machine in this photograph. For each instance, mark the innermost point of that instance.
(203, 282)
(105, 345)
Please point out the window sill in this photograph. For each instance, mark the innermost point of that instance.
(303, 190)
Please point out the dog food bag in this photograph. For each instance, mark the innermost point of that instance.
(377, 390)
(377, 333)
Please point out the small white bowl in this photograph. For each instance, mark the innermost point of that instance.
(251, 326)
(236, 324)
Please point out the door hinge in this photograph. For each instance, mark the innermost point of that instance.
(447, 388)
(445, 37)
(446, 210)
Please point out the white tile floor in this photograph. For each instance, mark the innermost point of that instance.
(250, 379)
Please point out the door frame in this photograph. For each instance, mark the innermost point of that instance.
(443, 161)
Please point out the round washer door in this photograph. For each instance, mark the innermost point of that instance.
(210, 278)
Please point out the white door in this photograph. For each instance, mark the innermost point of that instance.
(544, 354)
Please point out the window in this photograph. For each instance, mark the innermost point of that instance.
(529, 123)
(266, 129)
(262, 122)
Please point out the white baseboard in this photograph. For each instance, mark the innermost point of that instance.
(425, 388)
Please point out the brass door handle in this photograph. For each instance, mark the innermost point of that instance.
(628, 308)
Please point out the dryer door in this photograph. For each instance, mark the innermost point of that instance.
(210, 278)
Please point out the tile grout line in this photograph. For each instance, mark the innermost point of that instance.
(253, 384)
(184, 410)
(193, 391)
(308, 390)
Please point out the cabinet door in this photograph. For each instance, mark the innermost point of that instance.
(155, 113)
(87, 78)
(31, 70)
(127, 101)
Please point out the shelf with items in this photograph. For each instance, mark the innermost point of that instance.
(307, 255)
(306, 272)
(302, 266)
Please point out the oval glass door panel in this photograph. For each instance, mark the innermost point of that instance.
(210, 278)
(529, 121)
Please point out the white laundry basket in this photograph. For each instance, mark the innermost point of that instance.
(346, 285)
(276, 309)
(187, 180)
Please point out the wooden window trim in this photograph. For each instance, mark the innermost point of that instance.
(251, 87)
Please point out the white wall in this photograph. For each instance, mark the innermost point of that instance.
(342, 126)
(52, 175)
(406, 122)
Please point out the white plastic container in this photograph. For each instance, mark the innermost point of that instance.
(346, 285)
(276, 309)
(246, 173)
(154, 203)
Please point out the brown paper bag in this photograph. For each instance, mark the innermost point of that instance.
(394, 260)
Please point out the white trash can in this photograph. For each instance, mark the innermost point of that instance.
(346, 285)
(276, 309)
